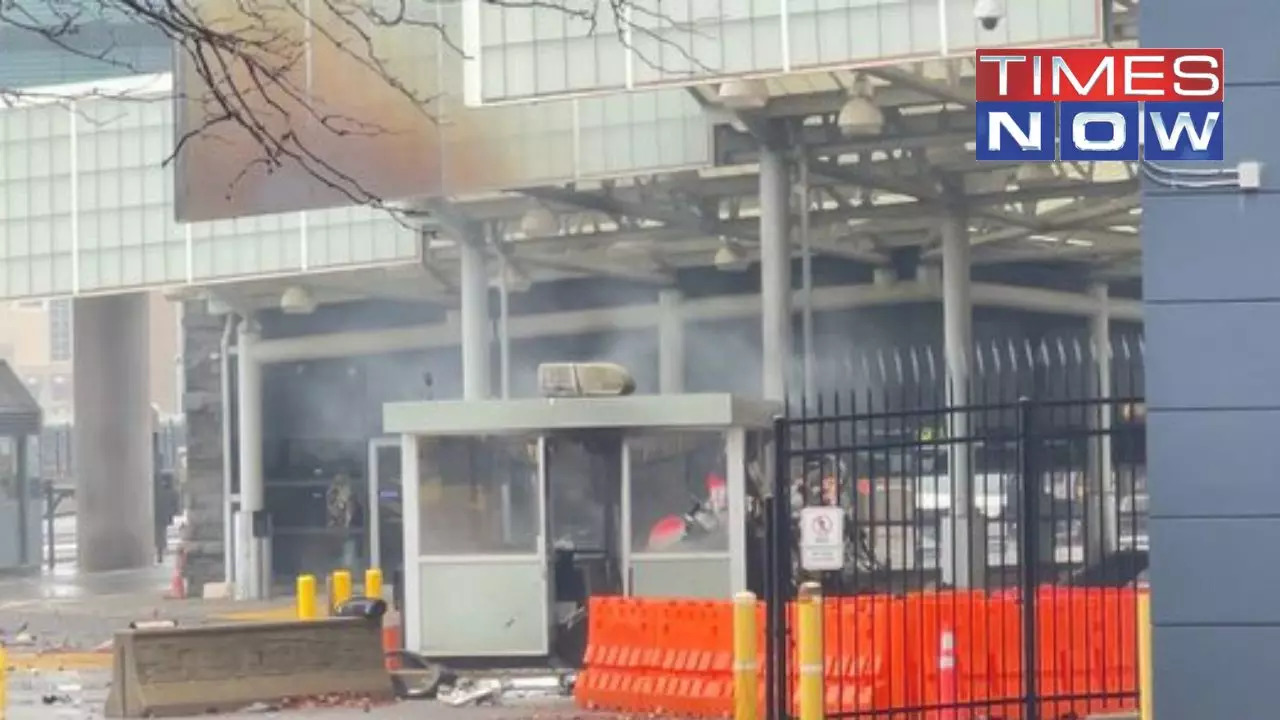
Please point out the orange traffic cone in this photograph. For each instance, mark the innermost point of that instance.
(178, 586)
(391, 639)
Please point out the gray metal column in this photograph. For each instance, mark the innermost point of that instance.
(475, 321)
(251, 581)
(1101, 516)
(775, 271)
(670, 342)
(112, 433)
(964, 553)
(504, 331)
(806, 287)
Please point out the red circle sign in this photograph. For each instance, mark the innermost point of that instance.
(822, 524)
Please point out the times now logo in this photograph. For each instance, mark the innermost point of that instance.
(1099, 104)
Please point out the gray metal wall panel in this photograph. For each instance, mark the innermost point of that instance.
(1244, 28)
(1221, 247)
(1209, 572)
(1216, 672)
(1238, 479)
(1213, 355)
(1228, 587)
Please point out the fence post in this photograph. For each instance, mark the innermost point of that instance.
(1029, 547)
(339, 589)
(746, 679)
(809, 651)
(1146, 673)
(777, 586)
(305, 602)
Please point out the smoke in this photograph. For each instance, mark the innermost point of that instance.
(320, 415)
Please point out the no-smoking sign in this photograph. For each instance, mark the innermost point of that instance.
(822, 538)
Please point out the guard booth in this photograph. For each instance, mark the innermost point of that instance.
(525, 508)
(21, 500)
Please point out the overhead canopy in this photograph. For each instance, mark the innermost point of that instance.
(19, 411)
(655, 412)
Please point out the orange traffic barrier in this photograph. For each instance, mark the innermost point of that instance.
(392, 639)
(935, 653)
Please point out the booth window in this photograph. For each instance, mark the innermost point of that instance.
(479, 497)
(678, 494)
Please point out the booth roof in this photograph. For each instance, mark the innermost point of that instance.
(19, 411)
(709, 411)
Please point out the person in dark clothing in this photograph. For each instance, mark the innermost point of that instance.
(166, 507)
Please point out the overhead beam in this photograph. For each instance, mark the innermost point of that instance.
(1059, 218)
(635, 317)
(616, 206)
(827, 103)
(594, 266)
(900, 215)
(903, 78)
(861, 175)
(733, 147)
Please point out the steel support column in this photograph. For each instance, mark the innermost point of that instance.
(252, 581)
(504, 331)
(475, 321)
(964, 562)
(775, 270)
(1101, 519)
(670, 342)
(111, 437)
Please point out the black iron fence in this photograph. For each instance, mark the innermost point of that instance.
(990, 539)
(57, 464)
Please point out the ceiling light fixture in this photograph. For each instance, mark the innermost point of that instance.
(297, 300)
(743, 94)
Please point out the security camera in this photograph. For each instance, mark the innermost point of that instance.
(989, 13)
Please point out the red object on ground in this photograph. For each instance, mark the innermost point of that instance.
(391, 639)
(178, 586)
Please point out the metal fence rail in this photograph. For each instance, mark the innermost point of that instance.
(1024, 606)
(57, 464)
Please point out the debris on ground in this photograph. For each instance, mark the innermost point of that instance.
(417, 677)
(508, 690)
(331, 700)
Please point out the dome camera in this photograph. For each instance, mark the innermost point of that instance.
(989, 13)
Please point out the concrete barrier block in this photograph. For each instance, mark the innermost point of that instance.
(169, 672)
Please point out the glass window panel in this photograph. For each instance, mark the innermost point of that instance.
(133, 266)
(19, 276)
(479, 497)
(677, 493)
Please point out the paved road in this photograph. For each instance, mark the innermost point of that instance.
(63, 611)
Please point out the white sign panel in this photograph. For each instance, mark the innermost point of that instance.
(822, 538)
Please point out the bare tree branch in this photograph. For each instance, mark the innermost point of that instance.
(267, 84)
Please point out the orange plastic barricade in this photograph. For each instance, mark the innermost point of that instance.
(938, 652)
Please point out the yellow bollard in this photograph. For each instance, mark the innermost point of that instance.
(373, 583)
(341, 589)
(1144, 658)
(306, 600)
(809, 651)
(746, 681)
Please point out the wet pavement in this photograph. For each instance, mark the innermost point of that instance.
(52, 622)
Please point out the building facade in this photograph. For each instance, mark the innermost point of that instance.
(36, 340)
(1211, 304)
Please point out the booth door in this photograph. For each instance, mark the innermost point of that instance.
(386, 506)
(483, 583)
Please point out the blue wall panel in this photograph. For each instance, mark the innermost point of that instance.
(1213, 297)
